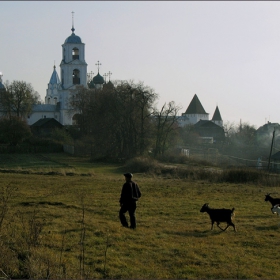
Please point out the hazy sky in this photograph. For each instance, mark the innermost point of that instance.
(228, 53)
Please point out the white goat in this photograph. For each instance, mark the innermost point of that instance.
(276, 209)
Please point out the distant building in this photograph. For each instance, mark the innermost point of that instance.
(264, 134)
(275, 162)
(45, 126)
(73, 73)
(208, 129)
(217, 119)
(195, 112)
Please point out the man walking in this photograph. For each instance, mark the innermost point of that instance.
(129, 196)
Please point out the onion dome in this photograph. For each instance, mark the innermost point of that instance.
(109, 85)
(98, 79)
(73, 39)
(91, 84)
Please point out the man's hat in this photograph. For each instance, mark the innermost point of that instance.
(128, 175)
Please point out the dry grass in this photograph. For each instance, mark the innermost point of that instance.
(42, 233)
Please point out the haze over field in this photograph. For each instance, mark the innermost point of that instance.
(228, 53)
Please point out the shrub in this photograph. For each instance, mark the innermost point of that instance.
(173, 158)
(142, 164)
(242, 176)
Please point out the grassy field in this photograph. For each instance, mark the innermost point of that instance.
(62, 222)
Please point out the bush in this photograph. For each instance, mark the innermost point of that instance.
(142, 164)
(211, 174)
(242, 176)
(43, 145)
(173, 158)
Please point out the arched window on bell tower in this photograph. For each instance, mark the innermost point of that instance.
(76, 77)
(75, 53)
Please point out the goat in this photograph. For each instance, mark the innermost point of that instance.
(276, 209)
(272, 200)
(219, 215)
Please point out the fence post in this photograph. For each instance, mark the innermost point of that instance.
(268, 167)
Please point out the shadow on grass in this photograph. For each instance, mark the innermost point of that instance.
(24, 203)
(197, 233)
(265, 228)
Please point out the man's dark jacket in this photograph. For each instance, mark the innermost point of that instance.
(130, 192)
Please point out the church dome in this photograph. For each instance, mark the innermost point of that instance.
(98, 80)
(91, 84)
(73, 38)
(109, 85)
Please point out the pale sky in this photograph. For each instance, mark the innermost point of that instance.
(228, 53)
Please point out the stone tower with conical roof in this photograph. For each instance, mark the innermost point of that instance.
(54, 86)
(217, 119)
(195, 112)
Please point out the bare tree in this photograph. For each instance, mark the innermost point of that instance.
(117, 117)
(80, 101)
(144, 99)
(18, 99)
(229, 128)
(245, 134)
(165, 124)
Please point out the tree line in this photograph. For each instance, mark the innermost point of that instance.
(120, 120)
(16, 102)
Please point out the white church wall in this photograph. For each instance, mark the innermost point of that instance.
(194, 118)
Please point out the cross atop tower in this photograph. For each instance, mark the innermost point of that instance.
(98, 64)
(73, 29)
(1, 75)
(105, 75)
(109, 74)
(90, 75)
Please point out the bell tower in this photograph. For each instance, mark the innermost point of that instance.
(73, 65)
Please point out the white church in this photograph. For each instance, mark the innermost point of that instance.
(73, 72)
